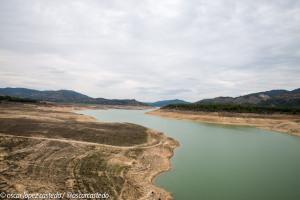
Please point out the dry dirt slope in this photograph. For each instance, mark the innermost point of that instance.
(50, 149)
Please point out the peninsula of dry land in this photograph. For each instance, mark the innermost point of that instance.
(49, 148)
(277, 122)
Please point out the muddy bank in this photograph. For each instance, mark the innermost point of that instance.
(276, 122)
(80, 153)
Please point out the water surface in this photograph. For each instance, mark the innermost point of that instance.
(220, 162)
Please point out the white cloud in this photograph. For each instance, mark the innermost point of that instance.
(150, 50)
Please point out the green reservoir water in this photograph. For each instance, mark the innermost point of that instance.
(217, 162)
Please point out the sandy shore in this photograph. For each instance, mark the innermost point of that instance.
(129, 170)
(276, 122)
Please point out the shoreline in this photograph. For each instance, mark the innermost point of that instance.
(276, 122)
(160, 158)
(168, 168)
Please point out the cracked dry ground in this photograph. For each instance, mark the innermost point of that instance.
(53, 150)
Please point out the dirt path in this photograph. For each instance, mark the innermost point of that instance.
(142, 146)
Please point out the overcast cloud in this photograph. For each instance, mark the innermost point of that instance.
(151, 50)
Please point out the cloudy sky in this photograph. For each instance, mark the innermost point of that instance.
(150, 49)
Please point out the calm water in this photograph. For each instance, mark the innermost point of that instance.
(216, 162)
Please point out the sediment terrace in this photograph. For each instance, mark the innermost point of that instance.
(276, 122)
(51, 149)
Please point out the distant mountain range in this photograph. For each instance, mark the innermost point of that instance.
(64, 96)
(167, 102)
(269, 102)
(272, 98)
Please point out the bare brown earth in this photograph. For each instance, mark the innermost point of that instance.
(49, 148)
(277, 122)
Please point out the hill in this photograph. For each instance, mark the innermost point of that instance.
(64, 96)
(268, 102)
(167, 102)
(272, 98)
